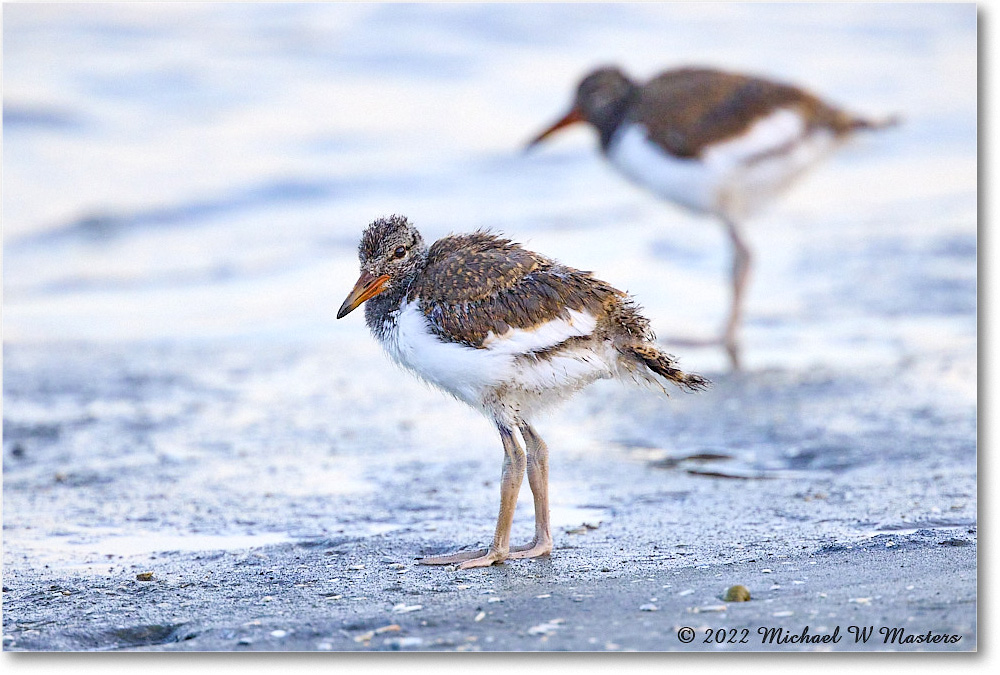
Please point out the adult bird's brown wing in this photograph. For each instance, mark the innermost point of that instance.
(686, 109)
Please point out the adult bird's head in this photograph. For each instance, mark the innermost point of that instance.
(391, 251)
(601, 99)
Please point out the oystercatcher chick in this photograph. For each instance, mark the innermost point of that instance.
(509, 332)
(714, 142)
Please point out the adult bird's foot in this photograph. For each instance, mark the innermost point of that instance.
(678, 341)
(733, 350)
(731, 345)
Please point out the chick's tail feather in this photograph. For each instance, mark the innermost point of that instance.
(664, 365)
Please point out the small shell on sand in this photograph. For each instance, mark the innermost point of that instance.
(737, 593)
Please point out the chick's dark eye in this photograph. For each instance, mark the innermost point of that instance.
(400, 251)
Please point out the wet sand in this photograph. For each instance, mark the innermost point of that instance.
(274, 512)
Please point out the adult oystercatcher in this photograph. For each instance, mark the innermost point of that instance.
(714, 142)
(509, 332)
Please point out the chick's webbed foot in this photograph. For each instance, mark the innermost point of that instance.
(452, 558)
(487, 556)
(483, 557)
(532, 550)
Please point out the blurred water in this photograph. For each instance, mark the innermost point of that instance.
(187, 171)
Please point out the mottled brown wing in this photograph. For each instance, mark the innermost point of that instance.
(470, 267)
(690, 108)
(479, 284)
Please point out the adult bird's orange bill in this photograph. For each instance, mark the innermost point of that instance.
(714, 142)
(572, 117)
(509, 332)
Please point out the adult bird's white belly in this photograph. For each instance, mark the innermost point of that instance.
(732, 178)
(687, 182)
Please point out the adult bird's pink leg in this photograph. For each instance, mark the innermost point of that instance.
(510, 484)
(730, 333)
(741, 273)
